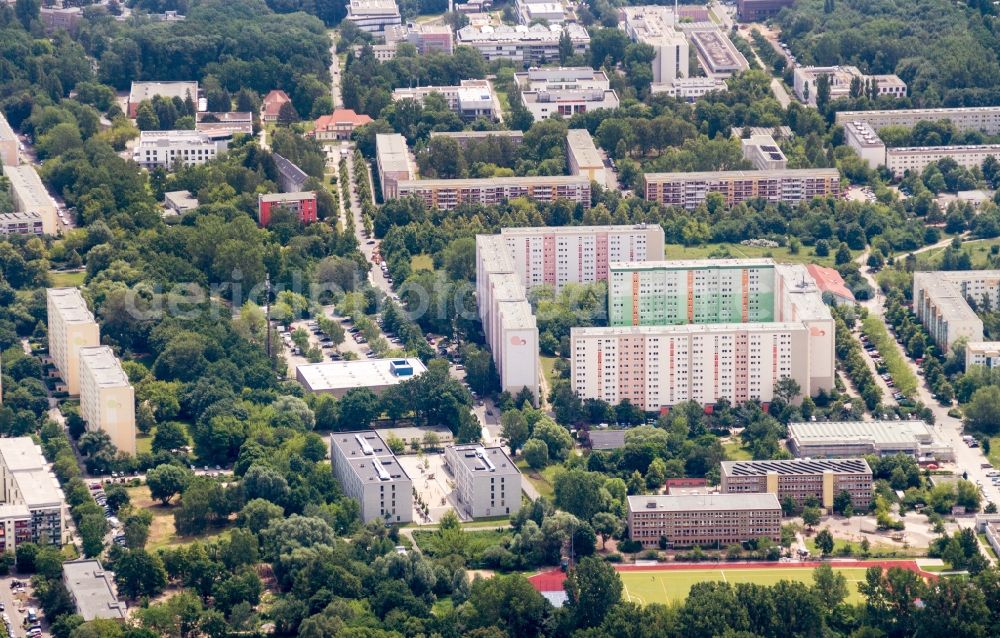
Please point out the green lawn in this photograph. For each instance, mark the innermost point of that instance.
(549, 369)
(978, 251)
(673, 586)
(986, 544)
(877, 550)
(66, 279)
(144, 442)
(994, 455)
(421, 262)
(736, 251)
(900, 371)
(542, 481)
(736, 451)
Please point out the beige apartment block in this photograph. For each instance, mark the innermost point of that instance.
(486, 480)
(32, 505)
(107, 400)
(71, 327)
(941, 303)
(369, 472)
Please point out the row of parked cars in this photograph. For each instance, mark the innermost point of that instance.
(97, 491)
(873, 352)
(32, 620)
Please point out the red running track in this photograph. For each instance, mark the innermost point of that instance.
(552, 580)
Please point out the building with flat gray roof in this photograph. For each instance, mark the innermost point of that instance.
(92, 590)
(34, 507)
(940, 301)
(791, 185)
(369, 473)
(8, 144)
(71, 326)
(30, 195)
(606, 439)
(985, 119)
(392, 158)
(486, 481)
(801, 479)
(705, 520)
(107, 399)
(845, 439)
(148, 90)
(337, 377)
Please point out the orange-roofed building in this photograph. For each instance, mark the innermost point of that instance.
(339, 125)
(272, 104)
(829, 280)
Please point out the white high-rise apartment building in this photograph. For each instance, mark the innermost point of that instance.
(71, 327)
(107, 400)
(941, 303)
(654, 25)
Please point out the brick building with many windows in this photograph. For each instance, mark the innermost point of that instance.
(801, 479)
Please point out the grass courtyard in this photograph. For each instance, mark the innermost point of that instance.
(645, 587)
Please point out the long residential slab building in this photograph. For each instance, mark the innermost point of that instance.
(791, 186)
(526, 45)
(969, 118)
(71, 327)
(518, 259)
(369, 472)
(940, 301)
(866, 142)
(705, 520)
(847, 439)
(703, 331)
(486, 480)
(9, 144)
(801, 480)
(447, 194)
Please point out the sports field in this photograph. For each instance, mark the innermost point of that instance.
(663, 586)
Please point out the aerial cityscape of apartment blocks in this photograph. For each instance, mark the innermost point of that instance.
(940, 301)
(662, 293)
(801, 479)
(705, 520)
(970, 118)
(791, 186)
(107, 400)
(487, 481)
(447, 194)
(32, 505)
(656, 366)
(578, 254)
(369, 472)
(71, 327)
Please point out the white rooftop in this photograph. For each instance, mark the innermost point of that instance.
(70, 305)
(877, 432)
(344, 375)
(104, 365)
(703, 502)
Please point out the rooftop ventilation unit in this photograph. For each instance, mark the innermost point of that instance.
(366, 447)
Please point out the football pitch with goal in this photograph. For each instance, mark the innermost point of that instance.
(662, 586)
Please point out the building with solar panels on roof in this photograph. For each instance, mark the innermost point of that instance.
(801, 479)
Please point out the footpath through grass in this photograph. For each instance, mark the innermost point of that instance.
(899, 369)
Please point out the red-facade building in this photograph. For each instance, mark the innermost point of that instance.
(303, 204)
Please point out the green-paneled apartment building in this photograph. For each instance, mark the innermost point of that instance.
(668, 293)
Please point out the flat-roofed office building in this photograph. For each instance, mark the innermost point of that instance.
(847, 439)
(107, 399)
(369, 472)
(148, 90)
(525, 45)
(71, 327)
(791, 186)
(92, 589)
(486, 481)
(583, 157)
(392, 158)
(801, 479)
(339, 377)
(705, 520)
(373, 16)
